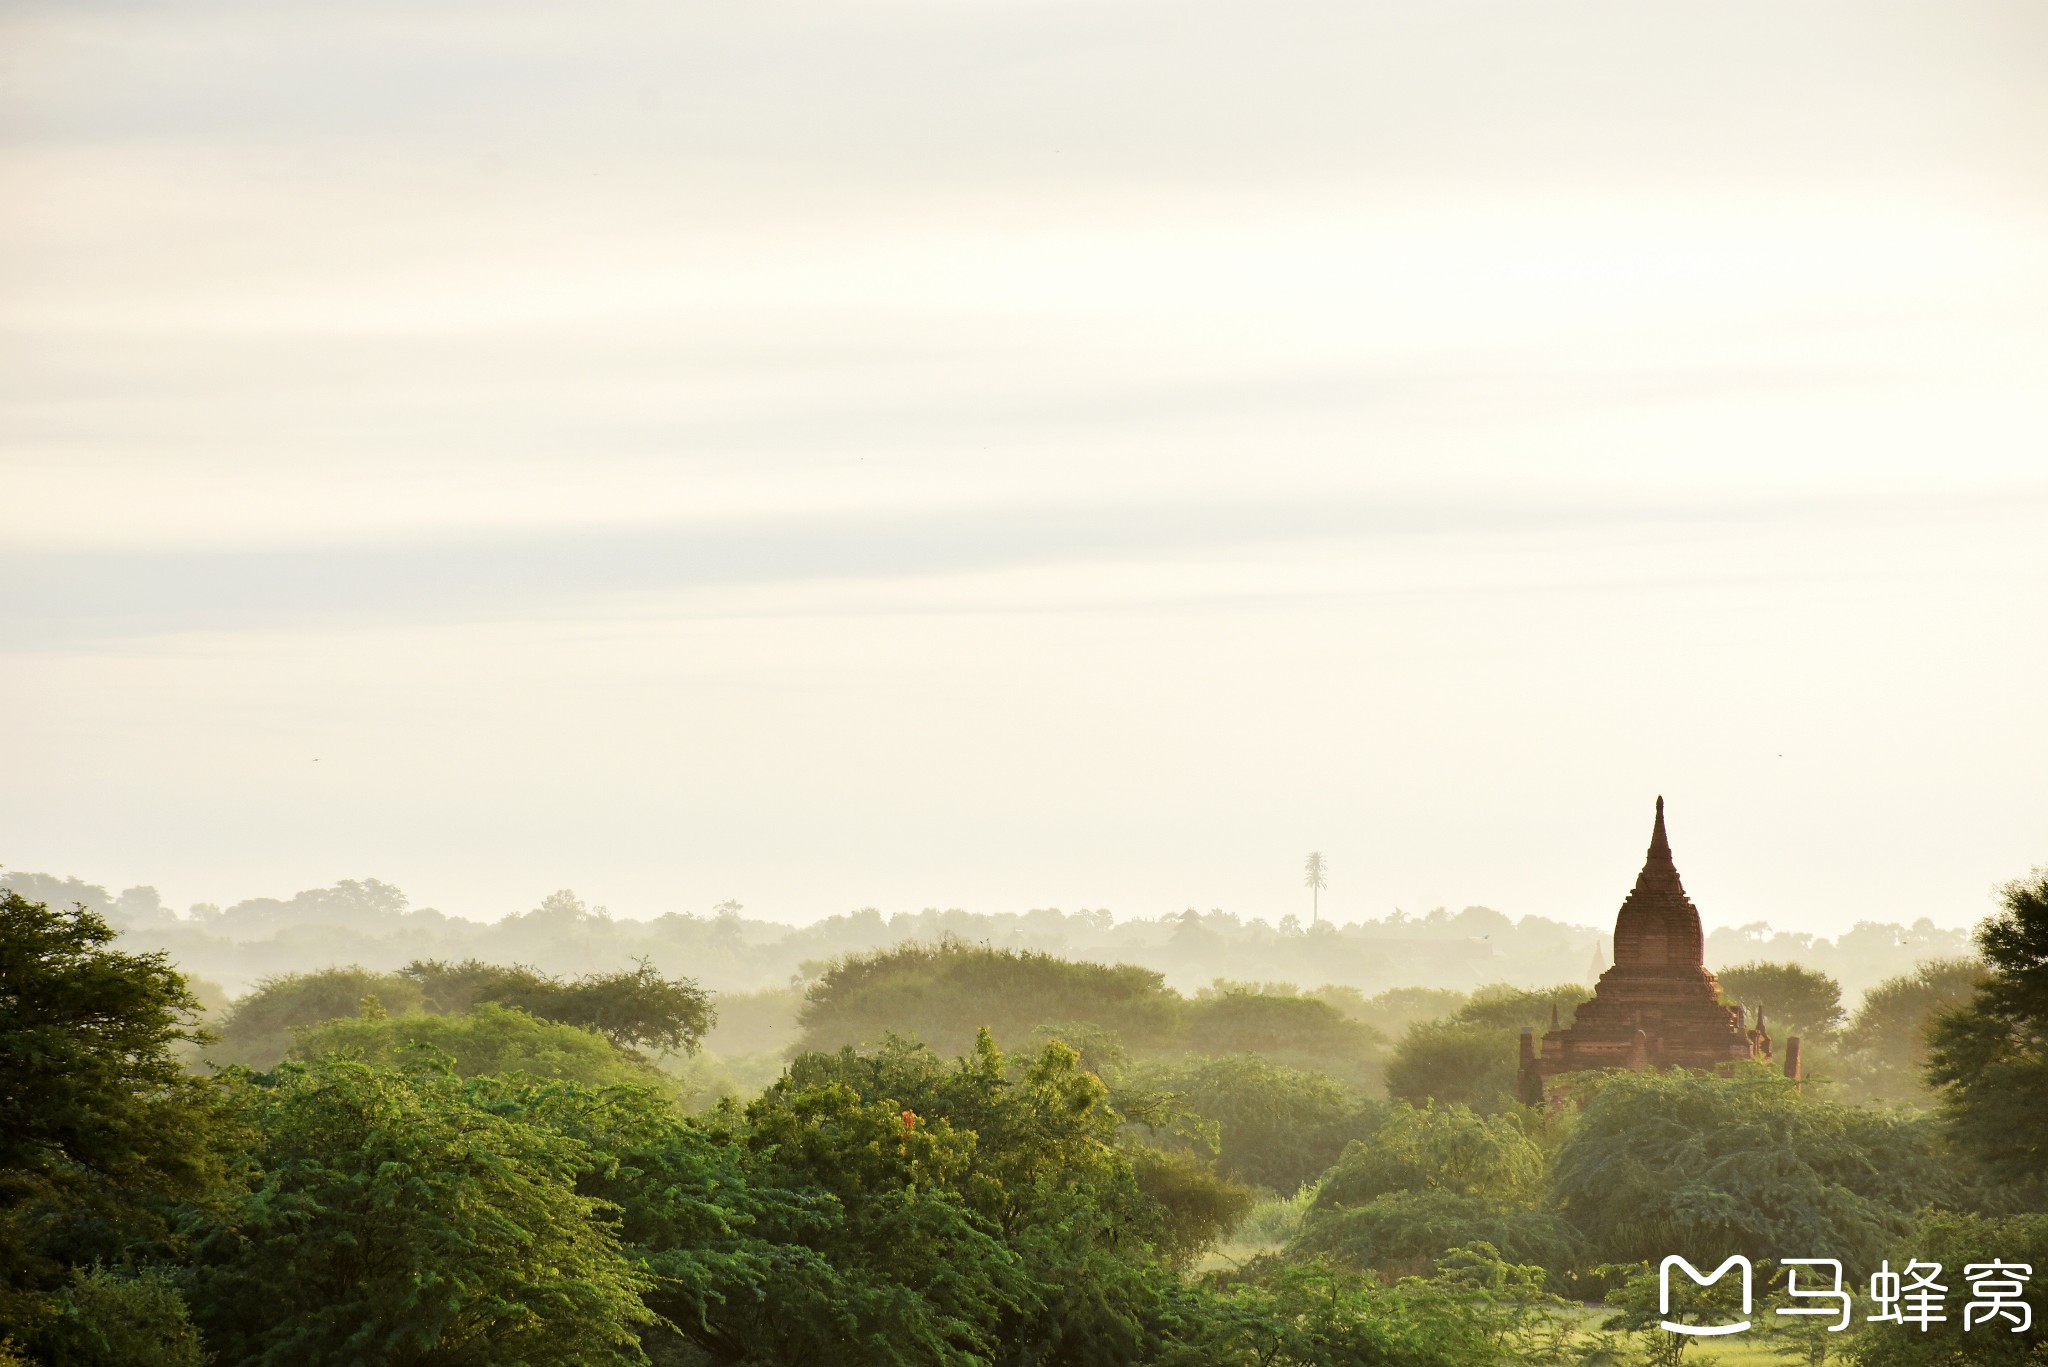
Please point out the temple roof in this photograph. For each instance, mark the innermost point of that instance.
(1658, 927)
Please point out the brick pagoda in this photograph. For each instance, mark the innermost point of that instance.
(1658, 1006)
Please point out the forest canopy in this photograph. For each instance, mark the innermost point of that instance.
(957, 1153)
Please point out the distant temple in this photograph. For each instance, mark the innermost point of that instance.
(1658, 1006)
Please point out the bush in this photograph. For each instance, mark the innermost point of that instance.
(1199, 1206)
(1710, 1166)
(1471, 1056)
(1275, 1127)
(107, 1319)
(943, 994)
(1407, 1232)
(488, 1041)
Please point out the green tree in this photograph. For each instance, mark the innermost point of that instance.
(1433, 1178)
(1314, 1313)
(1989, 1059)
(1315, 880)
(1795, 1000)
(1275, 1126)
(1471, 1056)
(398, 1216)
(1707, 1166)
(490, 1040)
(1439, 1148)
(1959, 1241)
(258, 1029)
(1197, 1205)
(1406, 1232)
(944, 993)
(894, 1266)
(110, 1319)
(634, 1009)
(1883, 1054)
(1285, 1028)
(101, 1129)
(1640, 1308)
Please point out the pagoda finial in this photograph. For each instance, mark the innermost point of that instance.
(1658, 843)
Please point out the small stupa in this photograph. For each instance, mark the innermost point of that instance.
(1658, 1006)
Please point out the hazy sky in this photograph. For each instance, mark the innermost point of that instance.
(1022, 454)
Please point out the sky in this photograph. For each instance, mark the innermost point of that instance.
(1008, 454)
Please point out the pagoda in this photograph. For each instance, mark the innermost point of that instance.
(1658, 1006)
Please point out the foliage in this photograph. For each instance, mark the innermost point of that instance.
(1407, 1231)
(1691, 1163)
(944, 993)
(258, 1029)
(1795, 1000)
(109, 1319)
(99, 1125)
(1471, 1056)
(1275, 1220)
(1432, 1148)
(1510, 1302)
(1957, 1241)
(1318, 1314)
(1432, 1178)
(1884, 1051)
(1198, 1206)
(634, 1009)
(401, 1216)
(1638, 1304)
(1990, 1058)
(1394, 1010)
(879, 1260)
(1510, 1008)
(1276, 1127)
(637, 1008)
(1300, 1032)
(490, 1040)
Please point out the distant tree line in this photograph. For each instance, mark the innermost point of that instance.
(372, 923)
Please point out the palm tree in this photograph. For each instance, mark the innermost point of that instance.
(1315, 883)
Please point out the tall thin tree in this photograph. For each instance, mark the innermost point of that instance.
(1315, 868)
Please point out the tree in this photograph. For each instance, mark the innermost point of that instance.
(944, 993)
(1957, 1241)
(1795, 1000)
(1432, 1178)
(1470, 1057)
(1312, 1313)
(1315, 881)
(1989, 1059)
(108, 1319)
(1884, 1050)
(635, 1008)
(398, 1215)
(1438, 1148)
(1640, 1308)
(1660, 1163)
(1275, 1126)
(490, 1041)
(100, 1128)
(1197, 1205)
(1297, 1031)
(259, 1028)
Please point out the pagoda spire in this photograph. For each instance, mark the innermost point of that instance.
(1660, 873)
(1658, 927)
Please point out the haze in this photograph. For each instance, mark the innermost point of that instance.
(1010, 455)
